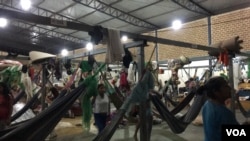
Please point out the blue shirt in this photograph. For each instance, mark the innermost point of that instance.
(214, 115)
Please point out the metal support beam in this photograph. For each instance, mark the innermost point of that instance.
(84, 27)
(231, 81)
(9, 46)
(142, 113)
(116, 13)
(22, 58)
(209, 30)
(23, 43)
(156, 48)
(200, 58)
(103, 50)
(46, 13)
(130, 11)
(44, 20)
(191, 67)
(193, 6)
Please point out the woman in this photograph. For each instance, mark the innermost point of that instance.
(6, 102)
(101, 108)
(215, 112)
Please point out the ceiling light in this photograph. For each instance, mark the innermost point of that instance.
(34, 33)
(3, 22)
(176, 24)
(25, 4)
(64, 52)
(124, 38)
(89, 46)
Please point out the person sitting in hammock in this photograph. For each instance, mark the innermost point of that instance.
(215, 111)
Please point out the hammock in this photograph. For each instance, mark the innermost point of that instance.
(139, 94)
(109, 130)
(31, 102)
(164, 91)
(245, 113)
(114, 95)
(118, 92)
(178, 125)
(38, 128)
(19, 96)
(26, 107)
(46, 121)
(183, 103)
(11, 127)
(7, 130)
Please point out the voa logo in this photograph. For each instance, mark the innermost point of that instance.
(236, 132)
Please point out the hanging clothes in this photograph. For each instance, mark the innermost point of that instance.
(124, 85)
(26, 82)
(127, 59)
(115, 51)
(132, 73)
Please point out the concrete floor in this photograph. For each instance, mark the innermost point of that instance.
(71, 130)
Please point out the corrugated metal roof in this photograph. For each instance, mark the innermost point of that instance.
(135, 16)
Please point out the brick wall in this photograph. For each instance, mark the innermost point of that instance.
(223, 27)
(232, 24)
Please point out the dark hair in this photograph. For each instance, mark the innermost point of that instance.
(54, 91)
(6, 90)
(212, 85)
(24, 68)
(100, 85)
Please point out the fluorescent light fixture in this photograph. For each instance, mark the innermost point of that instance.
(89, 46)
(25, 4)
(64, 52)
(3, 22)
(176, 24)
(124, 38)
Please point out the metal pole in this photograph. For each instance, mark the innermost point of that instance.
(156, 48)
(209, 36)
(143, 120)
(231, 81)
(44, 81)
(209, 30)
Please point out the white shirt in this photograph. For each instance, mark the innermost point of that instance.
(101, 105)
